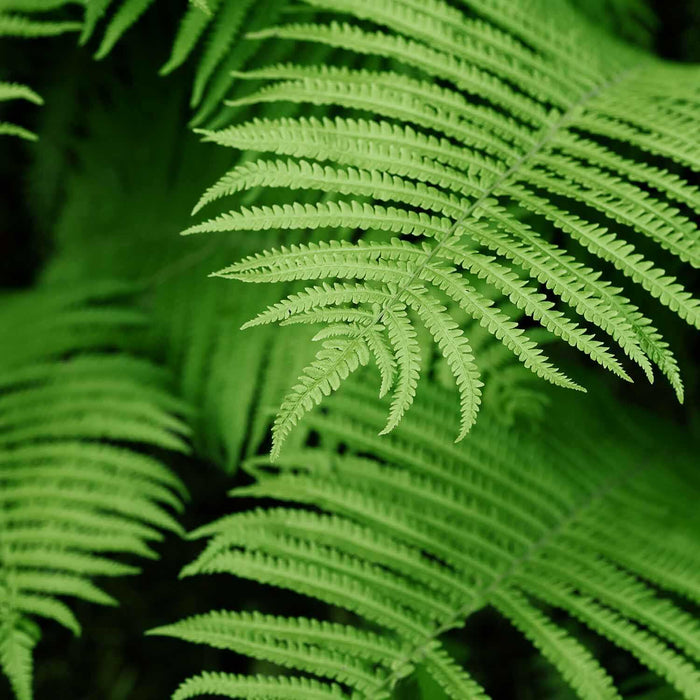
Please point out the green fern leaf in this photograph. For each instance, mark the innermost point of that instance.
(482, 130)
(70, 497)
(415, 535)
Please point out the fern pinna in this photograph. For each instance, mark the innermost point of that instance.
(77, 484)
(500, 141)
(16, 91)
(414, 536)
(13, 24)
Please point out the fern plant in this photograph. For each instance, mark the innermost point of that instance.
(498, 142)
(537, 177)
(77, 482)
(413, 536)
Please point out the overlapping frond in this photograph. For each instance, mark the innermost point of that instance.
(493, 149)
(414, 535)
(76, 484)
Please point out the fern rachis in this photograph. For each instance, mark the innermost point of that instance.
(422, 535)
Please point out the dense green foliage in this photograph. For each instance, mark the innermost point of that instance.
(422, 535)
(445, 190)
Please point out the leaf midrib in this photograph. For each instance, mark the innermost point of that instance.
(458, 618)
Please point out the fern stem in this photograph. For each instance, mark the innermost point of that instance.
(550, 132)
(423, 650)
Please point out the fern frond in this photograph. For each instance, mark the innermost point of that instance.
(476, 115)
(351, 214)
(576, 285)
(575, 663)
(70, 496)
(673, 186)
(18, 637)
(608, 247)
(223, 34)
(457, 352)
(423, 56)
(307, 175)
(279, 638)
(407, 355)
(535, 304)
(15, 91)
(192, 25)
(450, 677)
(415, 536)
(497, 323)
(359, 143)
